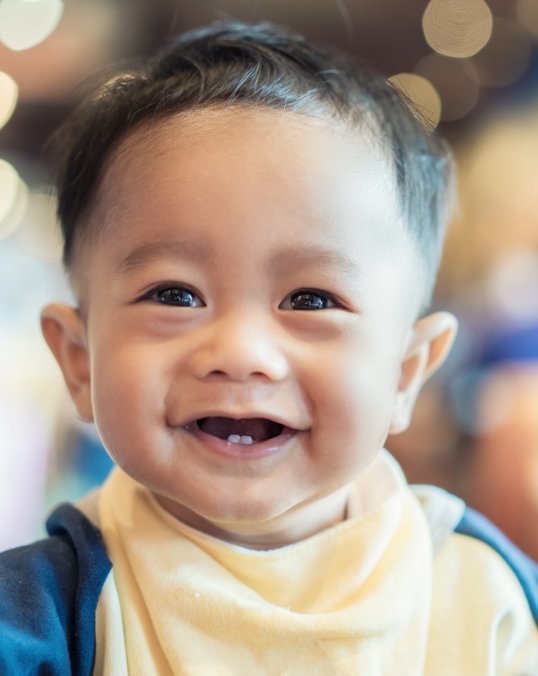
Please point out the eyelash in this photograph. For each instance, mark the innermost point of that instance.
(181, 292)
(328, 300)
(179, 289)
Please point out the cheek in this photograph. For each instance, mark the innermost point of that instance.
(368, 402)
(128, 393)
(359, 392)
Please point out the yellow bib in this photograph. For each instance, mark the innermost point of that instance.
(354, 599)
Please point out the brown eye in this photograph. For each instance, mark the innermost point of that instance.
(310, 300)
(172, 294)
(177, 297)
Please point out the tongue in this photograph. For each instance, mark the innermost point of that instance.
(259, 429)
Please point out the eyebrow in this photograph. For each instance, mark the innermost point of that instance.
(313, 257)
(143, 254)
(298, 258)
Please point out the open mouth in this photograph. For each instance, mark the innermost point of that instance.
(246, 431)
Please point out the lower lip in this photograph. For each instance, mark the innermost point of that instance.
(254, 451)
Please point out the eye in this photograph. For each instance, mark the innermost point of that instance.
(176, 296)
(308, 300)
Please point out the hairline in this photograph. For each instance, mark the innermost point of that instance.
(100, 202)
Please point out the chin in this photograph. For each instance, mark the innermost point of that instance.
(249, 514)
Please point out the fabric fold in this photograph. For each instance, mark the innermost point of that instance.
(192, 604)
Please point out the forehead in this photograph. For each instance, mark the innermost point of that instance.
(262, 148)
(225, 174)
(214, 138)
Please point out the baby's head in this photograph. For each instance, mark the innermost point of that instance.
(236, 66)
(252, 227)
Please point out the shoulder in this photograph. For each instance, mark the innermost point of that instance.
(476, 528)
(484, 590)
(48, 595)
(484, 593)
(465, 541)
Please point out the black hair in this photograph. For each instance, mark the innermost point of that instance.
(259, 65)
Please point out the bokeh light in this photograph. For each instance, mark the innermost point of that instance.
(459, 91)
(512, 286)
(527, 15)
(39, 233)
(9, 180)
(505, 57)
(457, 28)
(498, 199)
(25, 24)
(13, 199)
(9, 93)
(422, 93)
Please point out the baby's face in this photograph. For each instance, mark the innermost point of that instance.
(249, 304)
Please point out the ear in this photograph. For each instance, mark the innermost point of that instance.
(64, 331)
(428, 346)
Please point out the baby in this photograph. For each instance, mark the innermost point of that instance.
(252, 227)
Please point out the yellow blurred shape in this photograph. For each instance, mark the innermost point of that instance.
(25, 24)
(13, 199)
(506, 56)
(498, 199)
(527, 15)
(457, 28)
(422, 94)
(9, 181)
(9, 93)
(39, 235)
(451, 78)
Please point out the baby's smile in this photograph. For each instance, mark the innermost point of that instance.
(245, 431)
(229, 436)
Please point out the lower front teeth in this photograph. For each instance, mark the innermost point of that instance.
(245, 439)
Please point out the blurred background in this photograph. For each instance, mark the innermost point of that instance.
(471, 65)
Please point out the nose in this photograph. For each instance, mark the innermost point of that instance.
(240, 347)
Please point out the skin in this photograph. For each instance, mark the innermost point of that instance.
(246, 210)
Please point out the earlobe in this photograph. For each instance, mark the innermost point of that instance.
(428, 346)
(64, 332)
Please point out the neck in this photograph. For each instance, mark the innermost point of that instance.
(293, 526)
